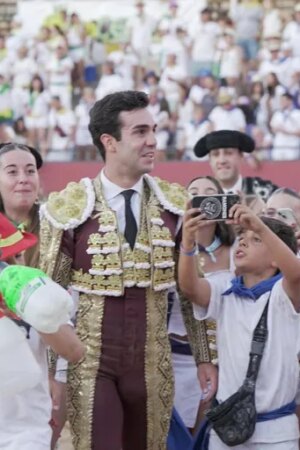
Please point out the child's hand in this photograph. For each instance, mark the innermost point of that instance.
(243, 216)
(192, 221)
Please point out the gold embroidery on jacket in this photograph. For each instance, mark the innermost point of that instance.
(158, 371)
(115, 265)
(82, 376)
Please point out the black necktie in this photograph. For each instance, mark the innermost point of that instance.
(130, 223)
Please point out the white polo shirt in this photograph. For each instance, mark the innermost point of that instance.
(279, 371)
(24, 418)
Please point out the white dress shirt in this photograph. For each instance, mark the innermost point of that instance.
(236, 187)
(116, 201)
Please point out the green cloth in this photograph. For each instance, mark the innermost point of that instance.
(13, 279)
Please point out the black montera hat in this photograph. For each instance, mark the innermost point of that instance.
(224, 139)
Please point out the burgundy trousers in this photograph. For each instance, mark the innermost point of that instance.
(120, 413)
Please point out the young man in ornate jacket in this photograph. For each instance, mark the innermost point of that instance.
(113, 239)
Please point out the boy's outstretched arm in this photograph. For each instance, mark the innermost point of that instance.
(65, 343)
(284, 259)
(192, 286)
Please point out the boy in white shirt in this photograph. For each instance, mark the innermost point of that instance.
(268, 269)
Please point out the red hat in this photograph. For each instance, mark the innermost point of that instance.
(13, 240)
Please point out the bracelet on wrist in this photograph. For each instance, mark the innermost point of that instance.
(192, 252)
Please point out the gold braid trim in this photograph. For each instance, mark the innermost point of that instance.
(82, 376)
(211, 332)
(196, 330)
(158, 371)
(62, 271)
(210, 325)
(50, 240)
(175, 193)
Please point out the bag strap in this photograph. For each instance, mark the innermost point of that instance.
(259, 339)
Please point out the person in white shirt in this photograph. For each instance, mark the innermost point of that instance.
(59, 69)
(247, 16)
(273, 63)
(285, 125)
(291, 32)
(229, 58)
(109, 82)
(272, 20)
(204, 34)
(23, 68)
(290, 65)
(140, 28)
(161, 115)
(177, 43)
(173, 19)
(194, 130)
(37, 112)
(125, 63)
(84, 148)
(171, 76)
(61, 132)
(226, 115)
(25, 418)
(268, 272)
(5, 59)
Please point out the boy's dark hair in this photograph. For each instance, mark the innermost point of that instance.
(286, 191)
(283, 231)
(105, 114)
(224, 231)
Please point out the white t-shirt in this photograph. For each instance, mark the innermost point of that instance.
(65, 120)
(193, 132)
(109, 84)
(286, 146)
(24, 418)
(22, 71)
(291, 34)
(59, 71)
(141, 29)
(82, 134)
(204, 40)
(279, 371)
(223, 119)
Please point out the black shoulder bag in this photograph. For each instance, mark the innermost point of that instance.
(234, 419)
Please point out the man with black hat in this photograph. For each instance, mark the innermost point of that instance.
(225, 149)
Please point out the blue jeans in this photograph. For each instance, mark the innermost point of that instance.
(250, 48)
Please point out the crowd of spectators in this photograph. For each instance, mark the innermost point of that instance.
(236, 70)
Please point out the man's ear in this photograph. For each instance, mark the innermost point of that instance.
(108, 142)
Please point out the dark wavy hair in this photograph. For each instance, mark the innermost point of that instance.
(224, 231)
(283, 231)
(105, 114)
